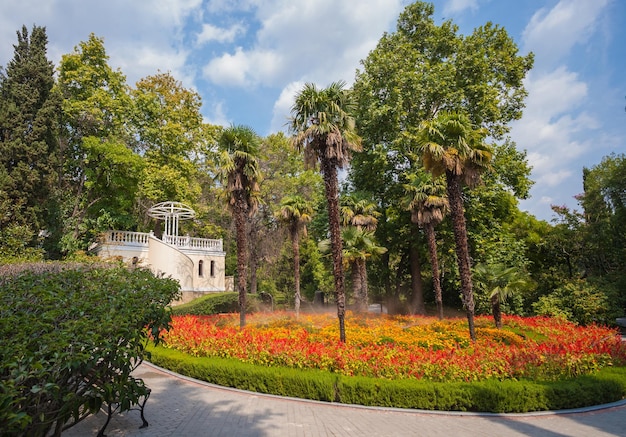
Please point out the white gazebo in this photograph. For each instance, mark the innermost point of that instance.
(197, 263)
(171, 213)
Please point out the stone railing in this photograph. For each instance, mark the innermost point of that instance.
(128, 238)
(187, 242)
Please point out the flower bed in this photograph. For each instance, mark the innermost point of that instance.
(404, 347)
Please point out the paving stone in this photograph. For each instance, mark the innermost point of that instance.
(180, 407)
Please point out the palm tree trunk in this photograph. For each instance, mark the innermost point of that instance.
(355, 274)
(417, 286)
(497, 311)
(462, 250)
(429, 230)
(242, 246)
(329, 171)
(253, 257)
(364, 288)
(295, 243)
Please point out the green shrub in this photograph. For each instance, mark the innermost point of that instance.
(608, 385)
(216, 303)
(71, 336)
(580, 301)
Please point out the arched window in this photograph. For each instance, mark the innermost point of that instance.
(212, 269)
(200, 268)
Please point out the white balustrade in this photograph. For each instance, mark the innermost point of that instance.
(127, 238)
(182, 242)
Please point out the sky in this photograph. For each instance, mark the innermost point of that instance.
(248, 58)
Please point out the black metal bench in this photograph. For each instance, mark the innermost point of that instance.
(113, 407)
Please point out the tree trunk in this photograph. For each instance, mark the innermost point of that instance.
(355, 274)
(417, 285)
(364, 288)
(462, 250)
(429, 230)
(497, 311)
(242, 247)
(254, 257)
(295, 243)
(393, 302)
(329, 172)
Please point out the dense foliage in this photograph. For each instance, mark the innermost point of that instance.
(539, 349)
(29, 144)
(71, 336)
(84, 151)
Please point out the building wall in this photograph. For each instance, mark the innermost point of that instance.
(179, 263)
(167, 260)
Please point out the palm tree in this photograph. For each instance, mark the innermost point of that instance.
(324, 128)
(360, 213)
(500, 283)
(295, 212)
(239, 174)
(450, 146)
(428, 204)
(359, 246)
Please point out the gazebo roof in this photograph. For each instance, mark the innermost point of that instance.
(169, 210)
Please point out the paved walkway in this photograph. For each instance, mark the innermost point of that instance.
(181, 407)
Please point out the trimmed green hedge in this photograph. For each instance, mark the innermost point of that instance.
(609, 385)
(216, 303)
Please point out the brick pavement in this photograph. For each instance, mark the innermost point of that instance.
(183, 407)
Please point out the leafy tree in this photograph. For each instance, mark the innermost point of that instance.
(172, 138)
(428, 204)
(295, 212)
(29, 150)
(101, 169)
(450, 146)
(324, 127)
(414, 73)
(239, 174)
(14, 245)
(604, 205)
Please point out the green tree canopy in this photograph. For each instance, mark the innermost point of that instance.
(101, 169)
(29, 150)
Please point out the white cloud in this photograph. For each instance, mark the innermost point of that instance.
(217, 115)
(548, 124)
(141, 38)
(456, 6)
(213, 33)
(319, 41)
(555, 131)
(243, 68)
(282, 106)
(551, 34)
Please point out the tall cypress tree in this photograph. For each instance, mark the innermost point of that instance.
(29, 162)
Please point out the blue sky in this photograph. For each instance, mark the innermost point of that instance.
(247, 58)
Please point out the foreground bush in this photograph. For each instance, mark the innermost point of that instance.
(71, 336)
(538, 348)
(607, 385)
